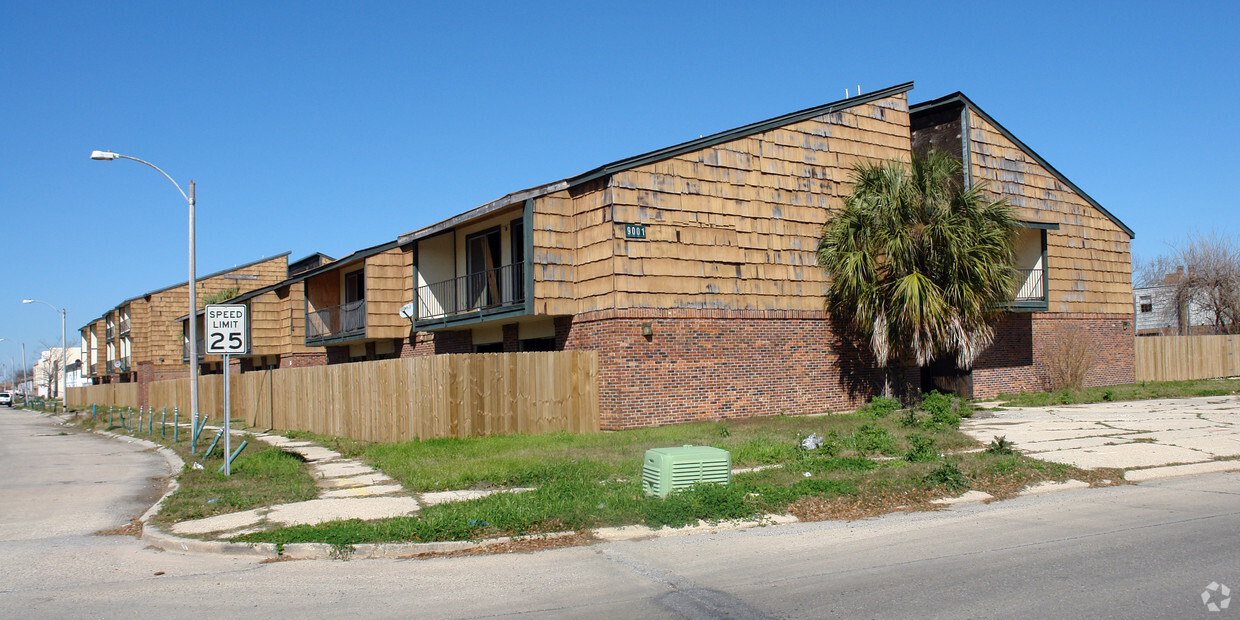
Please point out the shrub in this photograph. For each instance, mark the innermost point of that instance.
(880, 406)
(943, 409)
(949, 476)
(920, 449)
(1070, 358)
(871, 438)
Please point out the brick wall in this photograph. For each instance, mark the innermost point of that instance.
(708, 364)
(1018, 359)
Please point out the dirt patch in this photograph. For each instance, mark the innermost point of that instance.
(133, 528)
(524, 545)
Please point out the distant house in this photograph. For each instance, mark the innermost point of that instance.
(1159, 313)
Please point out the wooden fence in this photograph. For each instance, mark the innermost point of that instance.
(402, 399)
(108, 394)
(1179, 358)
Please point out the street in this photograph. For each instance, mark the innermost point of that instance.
(1147, 550)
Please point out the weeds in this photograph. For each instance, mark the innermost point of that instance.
(920, 449)
(948, 476)
(1000, 446)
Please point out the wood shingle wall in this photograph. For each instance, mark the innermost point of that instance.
(734, 226)
(1090, 268)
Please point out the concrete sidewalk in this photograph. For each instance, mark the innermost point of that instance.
(348, 489)
(1152, 438)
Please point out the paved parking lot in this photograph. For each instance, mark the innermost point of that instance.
(1154, 438)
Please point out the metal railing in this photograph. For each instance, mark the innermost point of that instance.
(336, 322)
(110, 332)
(202, 346)
(1030, 285)
(500, 288)
(124, 326)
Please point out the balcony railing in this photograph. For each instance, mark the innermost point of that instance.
(124, 326)
(202, 345)
(117, 366)
(336, 323)
(1030, 286)
(110, 332)
(492, 290)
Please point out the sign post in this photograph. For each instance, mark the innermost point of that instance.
(227, 334)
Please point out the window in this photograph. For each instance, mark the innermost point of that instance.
(1147, 304)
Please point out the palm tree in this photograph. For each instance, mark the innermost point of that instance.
(920, 266)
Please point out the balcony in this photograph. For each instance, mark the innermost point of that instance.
(118, 366)
(1031, 290)
(336, 323)
(477, 295)
(110, 332)
(124, 326)
(202, 345)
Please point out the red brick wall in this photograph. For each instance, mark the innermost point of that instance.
(707, 364)
(439, 343)
(301, 360)
(1017, 361)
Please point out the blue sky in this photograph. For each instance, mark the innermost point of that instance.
(332, 126)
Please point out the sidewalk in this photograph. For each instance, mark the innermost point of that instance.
(1151, 438)
(348, 489)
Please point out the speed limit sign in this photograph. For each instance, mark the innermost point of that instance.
(227, 332)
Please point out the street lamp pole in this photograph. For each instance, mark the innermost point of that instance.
(64, 370)
(193, 284)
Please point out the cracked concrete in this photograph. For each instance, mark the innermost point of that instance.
(1188, 431)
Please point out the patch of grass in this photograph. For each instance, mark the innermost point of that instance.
(1145, 390)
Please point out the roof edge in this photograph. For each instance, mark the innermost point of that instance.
(736, 133)
(968, 103)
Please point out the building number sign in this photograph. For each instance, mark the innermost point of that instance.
(634, 231)
(227, 332)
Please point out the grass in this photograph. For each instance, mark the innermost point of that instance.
(870, 462)
(261, 476)
(1145, 390)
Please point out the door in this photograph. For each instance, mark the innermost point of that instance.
(482, 266)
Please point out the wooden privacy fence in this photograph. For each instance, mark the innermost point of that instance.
(1179, 358)
(107, 394)
(402, 399)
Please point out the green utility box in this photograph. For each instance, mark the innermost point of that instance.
(671, 469)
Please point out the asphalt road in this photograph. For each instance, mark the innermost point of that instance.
(1145, 550)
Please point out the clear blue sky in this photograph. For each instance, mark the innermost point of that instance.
(332, 126)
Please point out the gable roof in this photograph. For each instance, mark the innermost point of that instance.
(960, 98)
(653, 157)
(197, 277)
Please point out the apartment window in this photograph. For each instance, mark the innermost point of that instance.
(1147, 304)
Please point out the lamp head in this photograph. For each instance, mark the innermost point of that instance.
(103, 155)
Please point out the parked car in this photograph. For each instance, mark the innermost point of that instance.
(6, 398)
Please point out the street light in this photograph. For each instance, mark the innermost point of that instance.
(193, 284)
(64, 370)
